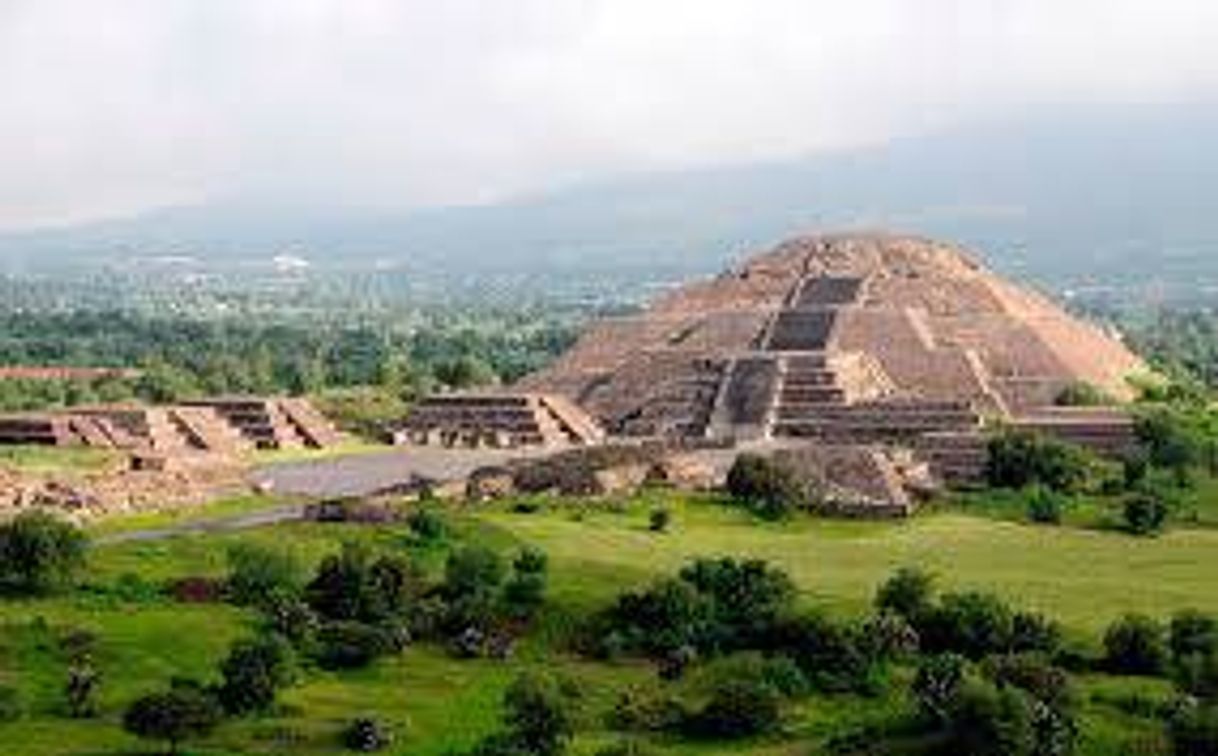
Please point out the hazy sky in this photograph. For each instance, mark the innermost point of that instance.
(109, 107)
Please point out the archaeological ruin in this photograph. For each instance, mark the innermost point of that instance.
(887, 344)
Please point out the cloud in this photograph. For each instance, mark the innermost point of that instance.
(114, 106)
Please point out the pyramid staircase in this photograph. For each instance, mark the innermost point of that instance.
(311, 425)
(205, 429)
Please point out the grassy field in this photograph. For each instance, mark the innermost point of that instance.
(58, 459)
(437, 704)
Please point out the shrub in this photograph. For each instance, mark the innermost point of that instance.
(172, 716)
(366, 735)
(989, 721)
(1033, 674)
(1134, 645)
(908, 593)
(525, 590)
(427, 525)
(39, 553)
(746, 598)
(937, 684)
(350, 645)
(667, 616)
(1173, 439)
(833, 656)
(472, 570)
(627, 748)
(80, 690)
(767, 488)
(1082, 394)
(1193, 632)
(256, 572)
(539, 714)
(1145, 514)
(1044, 506)
(1018, 459)
(645, 710)
(659, 520)
(1034, 632)
(1194, 730)
(253, 672)
(352, 586)
(11, 706)
(738, 708)
(973, 624)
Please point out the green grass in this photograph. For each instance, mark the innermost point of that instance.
(58, 459)
(349, 447)
(1085, 578)
(437, 704)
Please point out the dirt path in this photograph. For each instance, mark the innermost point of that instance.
(363, 474)
(245, 521)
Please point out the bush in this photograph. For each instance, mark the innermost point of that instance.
(39, 553)
(645, 710)
(1134, 645)
(253, 672)
(427, 525)
(11, 706)
(366, 735)
(256, 573)
(1145, 514)
(472, 570)
(908, 593)
(1082, 394)
(1044, 506)
(172, 716)
(738, 708)
(1193, 633)
(539, 716)
(1019, 459)
(524, 592)
(352, 586)
(937, 685)
(1194, 730)
(627, 748)
(350, 645)
(833, 656)
(658, 520)
(988, 721)
(767, 488)
(973, 624)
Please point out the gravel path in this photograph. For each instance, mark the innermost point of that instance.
(363, 474)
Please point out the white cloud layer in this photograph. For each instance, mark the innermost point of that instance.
(114, 106)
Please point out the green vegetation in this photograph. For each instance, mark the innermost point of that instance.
(433, 699)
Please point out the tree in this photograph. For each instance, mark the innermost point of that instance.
(172, 716)
(39, 553)
(471, 570)
(909, 593)
(990, 721)
(253, 672)
(1134, 645)
(769, 489)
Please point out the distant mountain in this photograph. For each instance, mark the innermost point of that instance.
(1089, 196)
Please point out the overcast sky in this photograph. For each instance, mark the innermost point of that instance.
(111, 107)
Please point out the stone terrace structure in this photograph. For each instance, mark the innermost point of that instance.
(175, 429)
(848, 340)
(500, 420)
(273, 423)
